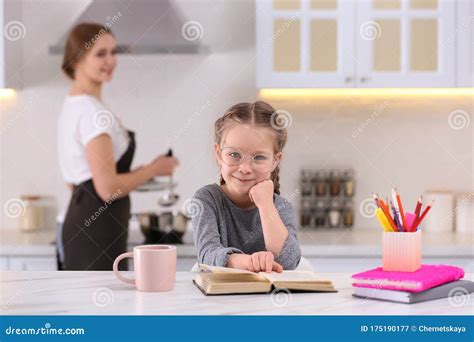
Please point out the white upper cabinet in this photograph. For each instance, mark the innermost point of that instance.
(2, 46)
(464, 34)
(305, 43)
(406, 43)
(12, 31)
(365, 44)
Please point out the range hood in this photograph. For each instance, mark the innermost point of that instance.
(143, 27)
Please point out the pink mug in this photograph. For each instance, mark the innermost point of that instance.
(155, 267)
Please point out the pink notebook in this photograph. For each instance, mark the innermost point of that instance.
(425, 278)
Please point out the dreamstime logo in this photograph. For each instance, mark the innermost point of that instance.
(109, 22)
(287, 23)
(370, 30)
(280, 297)
(192, 30)
(103, 119)
(19, 114)
(89, 220)
(459, 119)
(19, 292)
(281, 119)
(14, 30)
(14, 208)
(375, 114)
(103, 297)
(458, 296)
(368, 207)
(192, 208)
(196, 115)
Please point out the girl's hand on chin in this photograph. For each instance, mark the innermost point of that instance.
(262, 193)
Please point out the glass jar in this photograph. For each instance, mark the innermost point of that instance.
(348, 183)
(305, 218)
(33, 215)
(306, 212)
(348, 214)
(306, 179)
(320, 183)
(334, 213)
(320, 214)
(335, 183)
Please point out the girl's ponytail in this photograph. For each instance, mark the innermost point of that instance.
(276, 180)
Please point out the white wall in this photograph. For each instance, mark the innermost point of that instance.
(174, 100)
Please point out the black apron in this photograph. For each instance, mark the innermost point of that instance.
(95, 232)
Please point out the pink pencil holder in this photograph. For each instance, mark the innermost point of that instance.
(401, 251)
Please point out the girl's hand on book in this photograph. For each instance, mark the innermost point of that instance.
(262, 193)
(263, 262)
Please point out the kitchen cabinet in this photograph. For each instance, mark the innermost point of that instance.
(303, 44)
(465, 43)
(33, 263)
(13, 31)
(406, 43)
(28, 263)
(364, 44)
(3, 263)
(48, 263)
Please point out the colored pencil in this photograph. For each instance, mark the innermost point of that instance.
(384, 208)
(396, 204)
(418, 220)
(418, 206)
(396, 217)
(401, 211)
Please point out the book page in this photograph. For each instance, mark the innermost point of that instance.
(290, 276)
(219, 269)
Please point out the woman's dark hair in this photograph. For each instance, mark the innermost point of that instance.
(80, 39)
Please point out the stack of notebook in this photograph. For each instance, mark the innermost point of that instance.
(428, 283)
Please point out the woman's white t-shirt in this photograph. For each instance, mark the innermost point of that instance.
(83, 118)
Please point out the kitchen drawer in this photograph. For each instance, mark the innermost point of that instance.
(182, 264)
(3, 263)
(32, 264)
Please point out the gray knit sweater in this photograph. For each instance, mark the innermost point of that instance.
(222, 228)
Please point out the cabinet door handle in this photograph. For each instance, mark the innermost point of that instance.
(348, 79)
(364, 79)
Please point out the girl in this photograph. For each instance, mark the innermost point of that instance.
(243, 222)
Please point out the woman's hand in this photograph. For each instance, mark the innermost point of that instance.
(262, 193)
(257, 262)
(163, 165)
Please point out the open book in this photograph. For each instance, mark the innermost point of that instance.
(214, 280)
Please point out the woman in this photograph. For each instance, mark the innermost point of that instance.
(95, 154)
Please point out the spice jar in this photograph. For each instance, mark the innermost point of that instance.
(306, 205)
(348, 214)
(33, 216)
(334, 213)
(320, 185)
(320, 214)
(334, 183)
(305, 218)
(348, 183)
(306, 179)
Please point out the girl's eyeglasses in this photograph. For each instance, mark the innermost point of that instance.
(261, 162)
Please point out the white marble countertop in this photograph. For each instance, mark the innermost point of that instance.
(100, 293)
(357, 242)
